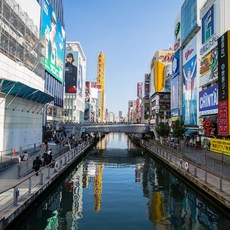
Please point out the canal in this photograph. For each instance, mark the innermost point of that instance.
(118, 186)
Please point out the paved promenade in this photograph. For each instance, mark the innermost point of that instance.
(9, 175)
(18, 193)
(206, 170)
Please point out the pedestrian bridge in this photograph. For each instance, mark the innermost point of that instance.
(110, 128)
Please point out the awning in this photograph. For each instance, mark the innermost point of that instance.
(190, 131)
(19, 89)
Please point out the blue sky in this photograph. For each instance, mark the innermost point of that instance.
(128, 32)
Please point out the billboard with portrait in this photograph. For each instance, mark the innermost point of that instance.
(190, 92)
(53, 40)
(209, 67)
(71, 72)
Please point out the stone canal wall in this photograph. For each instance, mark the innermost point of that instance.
(201, 177)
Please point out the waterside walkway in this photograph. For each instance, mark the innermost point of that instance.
(16, 194)
(205, 170)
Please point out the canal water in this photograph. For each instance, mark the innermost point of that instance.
(118, 186)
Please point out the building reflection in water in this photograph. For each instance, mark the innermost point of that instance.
(171, 204)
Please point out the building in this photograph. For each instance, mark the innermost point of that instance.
(75, 75)
(214, 23)
(23, 95)
(132, 116)
(160, 79)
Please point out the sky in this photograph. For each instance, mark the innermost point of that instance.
(128, 32)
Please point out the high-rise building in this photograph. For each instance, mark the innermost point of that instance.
(53, 45)
(22, 76)
(75, 75)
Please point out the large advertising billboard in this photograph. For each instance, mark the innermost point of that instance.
(175, 111)
(209, 67)
(209, 27)
(223, 84)
(188, 18)
(71, 72)
(190, 92)
(208, 101)
(53, 40)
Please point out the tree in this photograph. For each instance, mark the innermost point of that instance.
(178, 128)
(163, 129)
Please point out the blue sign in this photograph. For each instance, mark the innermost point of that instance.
(208, 101)
(176, 64)
(208, 25)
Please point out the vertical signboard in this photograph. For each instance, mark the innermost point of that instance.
(175, 111)
(80, 81)
(139, 89)
(208, 25)
(223, 84)
(177, 33)
(71, 72)
(189, 84)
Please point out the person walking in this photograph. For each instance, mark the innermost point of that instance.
(37, 164)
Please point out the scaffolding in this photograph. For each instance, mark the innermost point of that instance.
(19, 37)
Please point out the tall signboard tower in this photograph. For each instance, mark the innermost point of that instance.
(101, 81)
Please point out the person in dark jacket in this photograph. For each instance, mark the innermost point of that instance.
(70, 74)
(37, 164)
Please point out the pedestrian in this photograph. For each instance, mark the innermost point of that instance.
(49, 156)
(25, 158)
(37, 164)
(45, 157)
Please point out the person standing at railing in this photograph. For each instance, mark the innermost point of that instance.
(37, 164)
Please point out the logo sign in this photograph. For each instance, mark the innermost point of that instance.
(223, 84)
(190, 50)
(208, 101)
(208, 25)
(177, 33)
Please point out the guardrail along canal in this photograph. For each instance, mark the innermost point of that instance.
(117, 186)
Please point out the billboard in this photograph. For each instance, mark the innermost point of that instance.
(209, 67)
(80, 81)
(71, 72)
(223, 84)
(208, 25)
(208, 101)
(87, 91)
(53, 40)
(188, 18)
(190, 92)
(177, 33)
(139, 89)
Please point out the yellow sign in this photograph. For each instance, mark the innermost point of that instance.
(220, 146)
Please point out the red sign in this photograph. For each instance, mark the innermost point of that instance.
(223, 126)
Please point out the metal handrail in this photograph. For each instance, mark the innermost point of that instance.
(62, 161)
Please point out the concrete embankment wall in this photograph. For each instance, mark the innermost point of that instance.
(38, 185)
(199, 177)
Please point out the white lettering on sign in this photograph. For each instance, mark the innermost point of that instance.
(209, 100)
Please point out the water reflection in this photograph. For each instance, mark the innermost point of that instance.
(111, 188)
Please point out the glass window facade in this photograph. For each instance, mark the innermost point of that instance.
(188, 18)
